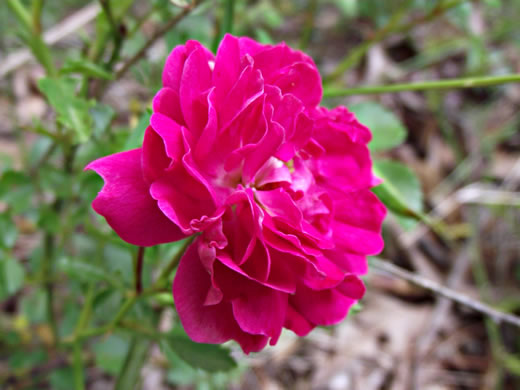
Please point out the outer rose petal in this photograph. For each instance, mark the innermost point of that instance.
(212, 324)
(297, 323)
(195, 80)
(261, 312)
(167, 102)
(126, 203)
(184, 199)
(227, 66)
(323, 307)
(257, 309)
(174, 66)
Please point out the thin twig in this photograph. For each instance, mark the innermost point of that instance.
(310, 15)
(48, 285)
(62, 30)
(163, 277)
(436, 288)
(469, 82)
(117, 33)
(158, 34)
(443, 305)
(139, 270)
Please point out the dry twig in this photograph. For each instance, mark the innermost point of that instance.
(436, 288)
(158, 34)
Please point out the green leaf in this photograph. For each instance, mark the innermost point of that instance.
(62, 379)
(12, 276)
(110, 353)
(8, 231)
(87, 68)
(387, 129)
(34, 306)
(180, 373)
(71, 313)
(400, 191)
(73, 112)
(208, 357)
(16, 190)
(20, 360)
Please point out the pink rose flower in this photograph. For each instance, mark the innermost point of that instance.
(278, 189)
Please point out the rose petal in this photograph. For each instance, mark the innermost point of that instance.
(195, 83)
(261, 310)
(212, 324)
(126, 203)
(297, 323)
(323, 307)
(167, 102)
(188, 202)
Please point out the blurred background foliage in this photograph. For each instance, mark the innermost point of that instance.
(71, 315)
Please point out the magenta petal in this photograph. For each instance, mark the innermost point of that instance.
(262, 151)
(154, 158)
(357, 240)
(212, 324)
(261, 311)
(348, 262)
(352, 287)
(173, 67)
(250, 46)
(278, 203)
(273, 172)
(303, 81)
(189, 204)
(195, 83)
(361, 209)
(227, 66)
(323, 307)
(171, 134)
(202, 151)
(126, 203)
(297, 323)
(248, 87)
(167, 102)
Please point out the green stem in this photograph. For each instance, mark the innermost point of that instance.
(139, 270)
(469, 82)
(309, 23)
(37, 6)
(48, 285)
(21, 13)
(32, 36)
(87, 309)
(117, 33)
(227, 25)
(79, 376)
(155, 36)
(138, 329)
(163, 277)
(224, 24)
(127, 305)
